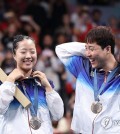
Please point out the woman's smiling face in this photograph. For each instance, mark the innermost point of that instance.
(25, 55)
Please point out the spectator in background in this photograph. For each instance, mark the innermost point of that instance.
(96, 17)
(48, 63)
(84, 24)
(32, 29)
(47, 42)
(8, 64)
(75, 15)
(61, 38)
(38, 13)
(8, 36)
(12, 26)
(114, 24)
(59, 8)
(47, 53)
(66, 27)
(12, 18)
(63, 126)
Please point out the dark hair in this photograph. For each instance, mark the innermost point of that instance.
(19, 38)
(101, 35)
(96, 11)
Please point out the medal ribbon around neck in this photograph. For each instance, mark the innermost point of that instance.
(34, 123)
(109, 78)
(34, 106)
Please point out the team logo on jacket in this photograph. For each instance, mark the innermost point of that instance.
(108, 122)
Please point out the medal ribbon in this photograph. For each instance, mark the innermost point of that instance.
(109, 78)
(34, 106)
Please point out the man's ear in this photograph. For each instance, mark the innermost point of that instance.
(108, 49)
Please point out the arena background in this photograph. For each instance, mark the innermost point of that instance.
(52, 22)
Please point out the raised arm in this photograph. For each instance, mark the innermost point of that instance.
(67, 50)
(72, 55)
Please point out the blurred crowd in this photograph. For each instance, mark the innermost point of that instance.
(51, 22)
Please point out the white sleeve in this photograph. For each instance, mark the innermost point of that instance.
(66, 50)
(7, 91)
(55, 105)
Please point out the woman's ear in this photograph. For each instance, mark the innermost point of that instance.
(14, 57)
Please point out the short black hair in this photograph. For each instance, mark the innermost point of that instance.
(103, 36)
(19, 38)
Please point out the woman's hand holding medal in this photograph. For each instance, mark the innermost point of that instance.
(43, 80)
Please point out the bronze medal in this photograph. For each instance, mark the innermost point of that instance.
(35, 123)
(96, 107)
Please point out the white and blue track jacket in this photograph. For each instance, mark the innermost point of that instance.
(84, 120)
(14, 119)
